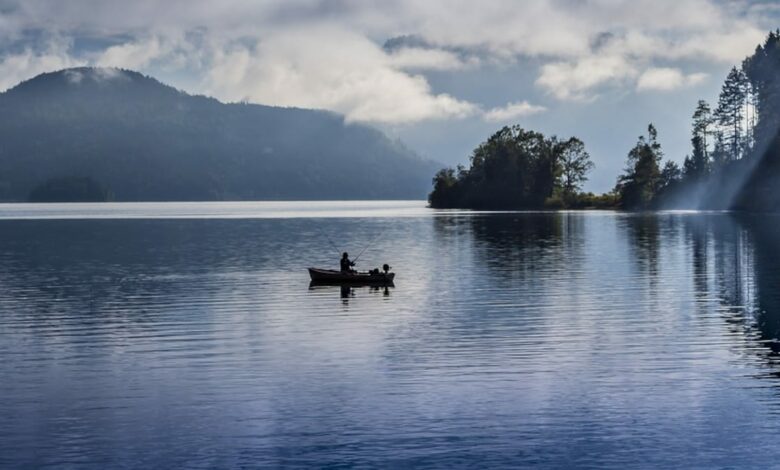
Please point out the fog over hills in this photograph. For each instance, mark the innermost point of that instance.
(144, 141)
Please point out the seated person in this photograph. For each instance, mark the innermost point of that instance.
(346, 264)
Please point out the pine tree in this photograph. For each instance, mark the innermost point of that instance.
(702, 121)
(697, 166)
(719, 152)
(762, 71)
(671, 174)
(689, 169)
(730, 109)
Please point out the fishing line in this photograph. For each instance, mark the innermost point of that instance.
(331, 243)
(366, 247)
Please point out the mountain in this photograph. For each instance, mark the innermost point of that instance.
(146, 141)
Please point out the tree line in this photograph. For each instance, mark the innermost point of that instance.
(735, 157)
(733, 164)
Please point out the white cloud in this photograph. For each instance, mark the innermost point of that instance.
(15, 68)
(576, 80)
(512, 111)
(696, 78)
(545, 28)
(328, 54)
(329, 69)
(429, 59)
(726, 47)
(131, 55)
(667, 79)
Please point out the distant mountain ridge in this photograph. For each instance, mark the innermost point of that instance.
(145, 141)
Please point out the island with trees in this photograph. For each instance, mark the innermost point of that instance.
(518, 169)
(734, 161)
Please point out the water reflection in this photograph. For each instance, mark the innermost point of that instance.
(754, 260)
(644, 231)
(348, 291)
(732, 257)
(579, 339)
(511, 248)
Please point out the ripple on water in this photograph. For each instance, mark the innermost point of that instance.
(554, 339)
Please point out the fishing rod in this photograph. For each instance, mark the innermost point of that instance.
(366, 247)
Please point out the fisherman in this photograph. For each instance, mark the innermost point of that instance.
(346, 264)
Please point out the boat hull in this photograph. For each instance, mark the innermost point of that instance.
(338, 277)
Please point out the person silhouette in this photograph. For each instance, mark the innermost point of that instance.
(346, 264)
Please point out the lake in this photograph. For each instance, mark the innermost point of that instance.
(187, 335)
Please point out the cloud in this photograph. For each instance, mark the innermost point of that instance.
(330, 69)
(667, 79)
(540, 28)
(28, 63)
(429, 59)
(576, 80)
(312, 53)
(512, 111)
(131, 55)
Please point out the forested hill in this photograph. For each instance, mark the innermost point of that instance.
(143, 140)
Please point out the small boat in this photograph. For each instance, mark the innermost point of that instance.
(338, 277)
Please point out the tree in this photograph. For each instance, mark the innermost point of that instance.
(513, 168)
(670, 184)
(719, 152)
(702, 120)
(688, 167)
(642, 178)
(762, 71)
(730, 109)
(443, 186)
(575, 166)
(697, 166)
(670, 174)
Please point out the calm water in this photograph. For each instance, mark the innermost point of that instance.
(186, 335)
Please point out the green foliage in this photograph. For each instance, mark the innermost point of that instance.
(642, 178)
(702, 120)
(697, 166)
(514, 168)
(734, 163)
(575, 166)
(762, 70)
(702, 123)
(735, 159)
(610, 200)
(720, 154)
(759, 174)
(730, 111)
(70, 189)
(670, 174)
(444, 186)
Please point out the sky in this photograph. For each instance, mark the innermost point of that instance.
(441, 76)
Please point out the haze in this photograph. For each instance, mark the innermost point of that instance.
(441, 76)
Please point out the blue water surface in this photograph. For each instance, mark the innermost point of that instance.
(187, 335)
